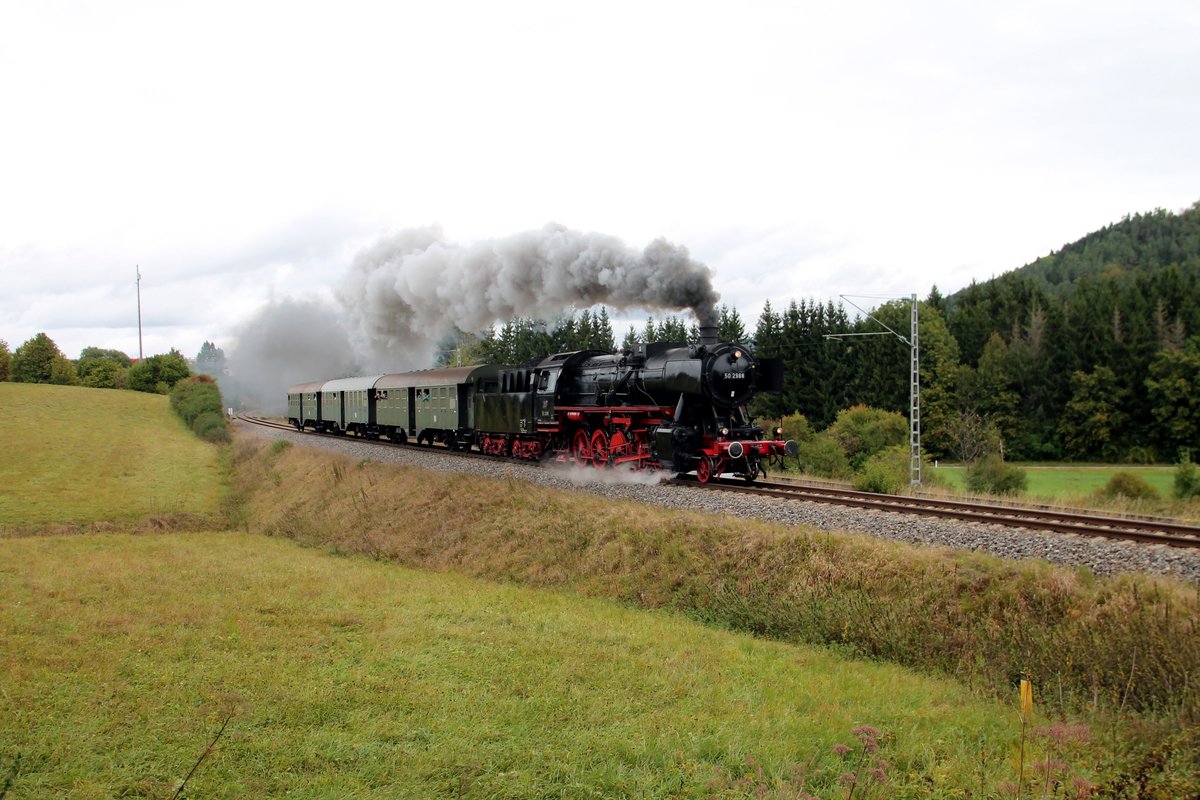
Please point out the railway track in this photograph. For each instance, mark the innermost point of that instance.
(1137, 529)
(1143, 530)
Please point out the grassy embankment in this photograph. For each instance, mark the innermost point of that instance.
(122, 655)
(979, 618)
(74, 456)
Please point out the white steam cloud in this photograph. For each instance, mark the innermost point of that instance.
(286, 342)
(412, 288)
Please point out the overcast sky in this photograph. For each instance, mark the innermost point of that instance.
(242, 152)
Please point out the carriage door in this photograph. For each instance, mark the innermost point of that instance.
(544, 395)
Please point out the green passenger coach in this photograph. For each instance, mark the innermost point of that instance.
(429, 406)
(304, 404)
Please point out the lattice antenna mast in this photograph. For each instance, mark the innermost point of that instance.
(914, 378)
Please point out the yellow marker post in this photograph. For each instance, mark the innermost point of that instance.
(1026, 713)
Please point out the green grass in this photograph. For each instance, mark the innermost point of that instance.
(75, 455)
(1050, 482)
(121, 656)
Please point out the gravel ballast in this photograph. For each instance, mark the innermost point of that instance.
(1102, 556)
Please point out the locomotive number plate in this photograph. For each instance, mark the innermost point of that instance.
(734, 376)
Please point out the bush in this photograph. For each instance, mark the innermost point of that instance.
(1129, 486)
(198, 403)
(102, 374)
(885, 473)
(159, 373)
(862, 431)
(192, 397)
(211, 427)
(797, 427)
(1187, 480)
(824, 457)
(991, 475)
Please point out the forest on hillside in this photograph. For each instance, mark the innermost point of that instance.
(1090, 353)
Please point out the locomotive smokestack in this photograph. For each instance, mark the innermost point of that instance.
(708, 334)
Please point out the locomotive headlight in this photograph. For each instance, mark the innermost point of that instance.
(778, 431)
(724, 431)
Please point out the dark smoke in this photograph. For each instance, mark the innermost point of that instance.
(413, 287)
(287, 342)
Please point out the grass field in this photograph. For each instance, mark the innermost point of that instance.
(121, 656)
(349, 678)
(77, 455)
(1052, 482)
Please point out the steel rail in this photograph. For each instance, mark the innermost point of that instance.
(1165, 532)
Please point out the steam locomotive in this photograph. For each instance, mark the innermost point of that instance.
(669, 406)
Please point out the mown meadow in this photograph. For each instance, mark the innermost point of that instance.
(360, 630)
(76, 456)
(350, 677)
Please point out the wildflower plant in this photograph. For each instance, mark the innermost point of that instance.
(866, 769)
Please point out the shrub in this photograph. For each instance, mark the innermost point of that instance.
(210, 426)
(1129, 486)
(862, 431)
(991, 475)
(192, 397)
(885, 473)
(1187, 480)
(104, 374)
(158, 373)
(797, 427)
(822, 456)
(197, 401)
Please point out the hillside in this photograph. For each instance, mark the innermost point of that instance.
(1139, 244)
(76, 455)
(1090, 353)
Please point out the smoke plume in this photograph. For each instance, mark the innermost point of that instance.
(286, 342)
(411, 288)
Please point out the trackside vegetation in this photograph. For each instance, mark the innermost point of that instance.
(197, 401)
(977, 618)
